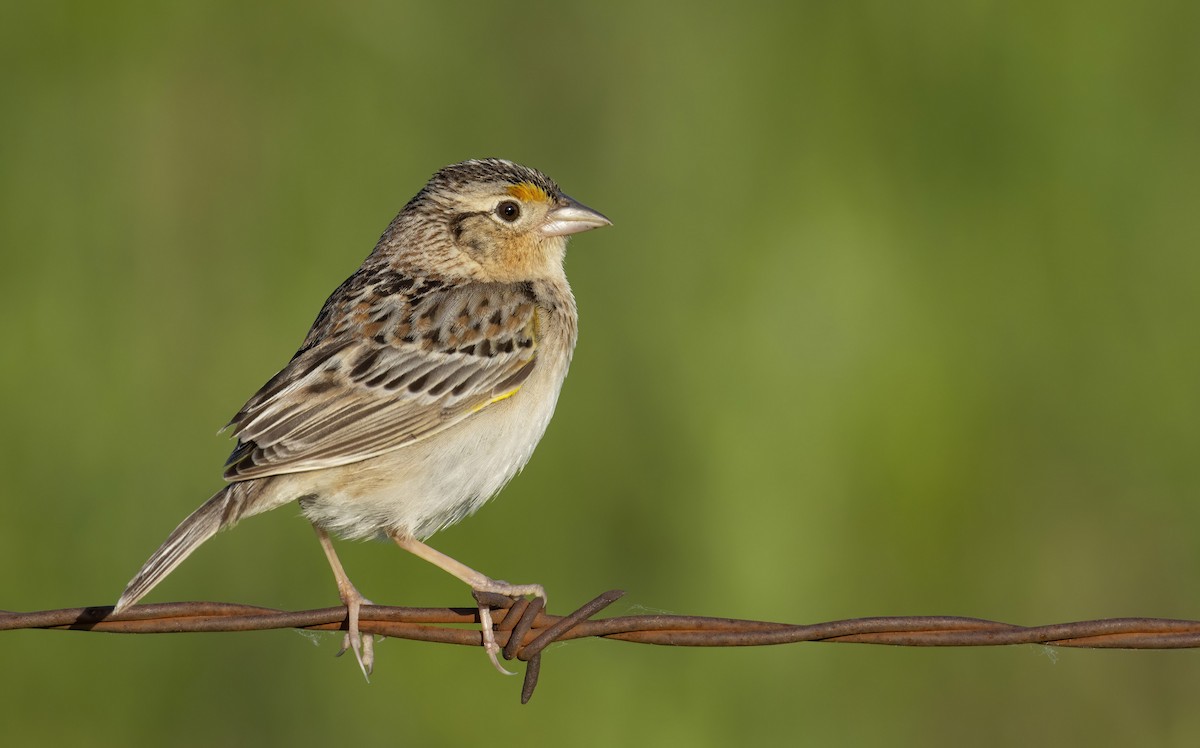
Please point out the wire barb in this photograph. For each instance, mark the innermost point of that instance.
(524, 629)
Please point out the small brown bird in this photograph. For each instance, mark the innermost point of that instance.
(423, 386)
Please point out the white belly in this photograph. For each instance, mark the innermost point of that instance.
(421, 488)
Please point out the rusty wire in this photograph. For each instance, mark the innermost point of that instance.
(524, 630)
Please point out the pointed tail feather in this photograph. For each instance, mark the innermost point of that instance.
(222, 510)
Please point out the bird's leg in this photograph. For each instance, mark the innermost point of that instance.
(362, 646)
(477, 581)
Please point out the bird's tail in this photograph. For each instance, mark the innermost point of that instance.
(222, 510)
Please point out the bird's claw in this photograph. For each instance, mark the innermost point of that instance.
(489, 639)
(501, 587)
(362, 646)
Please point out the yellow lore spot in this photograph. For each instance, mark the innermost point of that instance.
(528, 192)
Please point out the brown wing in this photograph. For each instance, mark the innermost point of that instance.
(380, 371)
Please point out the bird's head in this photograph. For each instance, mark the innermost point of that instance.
(492, 220)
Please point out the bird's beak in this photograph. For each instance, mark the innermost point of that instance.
(571, 217)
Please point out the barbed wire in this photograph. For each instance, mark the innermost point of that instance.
(523, 629)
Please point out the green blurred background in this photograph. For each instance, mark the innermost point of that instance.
(898, 315)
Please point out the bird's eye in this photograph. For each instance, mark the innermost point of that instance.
(508, 210)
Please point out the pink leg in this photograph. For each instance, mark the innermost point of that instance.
(476, 581)
(362, 646)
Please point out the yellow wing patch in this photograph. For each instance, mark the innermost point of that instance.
(529, 192)
(495, 400)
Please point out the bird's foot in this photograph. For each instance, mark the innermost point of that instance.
(501, 587)
(362, 646)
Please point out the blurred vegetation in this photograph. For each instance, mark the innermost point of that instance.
(898, 315)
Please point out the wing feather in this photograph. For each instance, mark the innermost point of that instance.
(379, 371)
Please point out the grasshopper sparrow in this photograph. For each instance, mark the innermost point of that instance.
(423, 386)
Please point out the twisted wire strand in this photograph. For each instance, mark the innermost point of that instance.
(524, 630)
